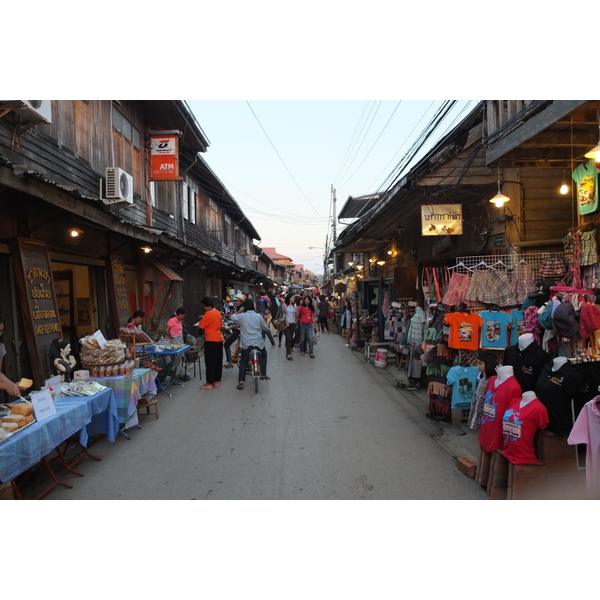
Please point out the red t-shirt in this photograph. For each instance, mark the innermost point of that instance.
(519, 426)
(464, 330)
(497, 400)
(306, 315)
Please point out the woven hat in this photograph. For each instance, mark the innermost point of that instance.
(563, 319)
(240, 297)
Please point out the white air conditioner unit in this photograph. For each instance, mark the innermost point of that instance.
(254, 258)
(119, 186)
(245, 251)
(33, 111)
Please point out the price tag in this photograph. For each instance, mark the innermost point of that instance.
(489, 410)
(100, 338)
(511, 429)
(43, 405)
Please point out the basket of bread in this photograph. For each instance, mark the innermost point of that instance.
(92, 354)
(14, 418)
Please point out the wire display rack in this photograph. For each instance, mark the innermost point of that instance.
(506, 262)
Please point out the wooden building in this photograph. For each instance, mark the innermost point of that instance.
(142, 242)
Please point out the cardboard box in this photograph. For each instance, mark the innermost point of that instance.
(467, 466)
(483, 467)
(561, 465)
(498, 478)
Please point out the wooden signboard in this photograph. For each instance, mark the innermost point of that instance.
(119, 297)
(39, 308)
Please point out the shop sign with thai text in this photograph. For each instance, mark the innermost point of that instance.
(119, 297)
(441, 219)
(33, 273)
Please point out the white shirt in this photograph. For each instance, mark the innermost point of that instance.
(291, 311)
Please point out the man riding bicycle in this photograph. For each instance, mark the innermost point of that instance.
(252, 325)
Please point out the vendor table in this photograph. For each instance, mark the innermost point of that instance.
(163, 363)
(128, 391)
(87, 415)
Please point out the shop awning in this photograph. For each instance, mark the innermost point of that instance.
(166, 272)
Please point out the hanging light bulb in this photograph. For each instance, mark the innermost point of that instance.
(564, 188)
(499, 199)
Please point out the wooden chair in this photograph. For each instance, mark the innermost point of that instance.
(146, 402)
(192, 357)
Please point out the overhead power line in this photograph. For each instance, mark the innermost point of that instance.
(282, 161)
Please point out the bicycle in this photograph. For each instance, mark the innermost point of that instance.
(254, 366)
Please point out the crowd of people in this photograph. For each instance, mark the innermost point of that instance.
(296, 319)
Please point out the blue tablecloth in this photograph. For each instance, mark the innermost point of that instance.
(88, 415)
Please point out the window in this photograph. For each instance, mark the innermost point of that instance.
(185, 201)
(192, 205)
(152, 193)
(127, 149)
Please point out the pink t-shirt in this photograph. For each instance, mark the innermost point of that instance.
(587, 431)
(176, 326)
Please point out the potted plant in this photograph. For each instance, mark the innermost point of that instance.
(400, 383)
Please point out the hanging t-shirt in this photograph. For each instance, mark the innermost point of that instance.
(587, 431)
(464, 330)
(464, 383)
(494, 330)
(497, 400)
(519, 425)
(556, 389)
(586, 178)
(517, 325)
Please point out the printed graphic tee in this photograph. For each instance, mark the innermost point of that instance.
(464, 384)
(517, 325)
(494, 330)
(586, 178)
(497, 400)
(464, 330)
(519, 426)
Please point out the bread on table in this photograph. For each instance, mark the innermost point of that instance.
(21, 409)
(18, 419)
(10, 427)
(29, 419)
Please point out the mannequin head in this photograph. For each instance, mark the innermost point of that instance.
(525, 340)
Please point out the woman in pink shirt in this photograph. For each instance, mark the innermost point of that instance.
(175, 324)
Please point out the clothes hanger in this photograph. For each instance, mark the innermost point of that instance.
(460, 264)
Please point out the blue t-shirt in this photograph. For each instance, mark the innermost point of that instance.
(464, 383)
(494, 331)
(517, 325)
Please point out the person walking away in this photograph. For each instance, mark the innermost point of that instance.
(291, 314)
(346, 321)
(322, 312)
(270, 328)
(307, 320)
(330, 313)
(252, 325)
(212, 324)
(263, 303)
(238, 300)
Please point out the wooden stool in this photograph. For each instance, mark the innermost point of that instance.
(146, 403)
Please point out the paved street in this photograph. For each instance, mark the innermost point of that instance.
(325, 428)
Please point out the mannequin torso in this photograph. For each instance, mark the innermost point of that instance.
(503, 374)
(558, 362)
(527, 398)
(525, 340)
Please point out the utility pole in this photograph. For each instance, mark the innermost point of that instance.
(334, 216)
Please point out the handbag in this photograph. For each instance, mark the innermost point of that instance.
(282, 324)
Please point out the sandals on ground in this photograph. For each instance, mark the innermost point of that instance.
(312, 355)
(240, 386)
(264, 377)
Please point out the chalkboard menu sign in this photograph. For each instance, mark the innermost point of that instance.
(119, 297)
(39, 308)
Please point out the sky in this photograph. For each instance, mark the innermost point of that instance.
(280, 159)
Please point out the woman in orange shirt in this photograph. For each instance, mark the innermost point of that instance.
(212, 324)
